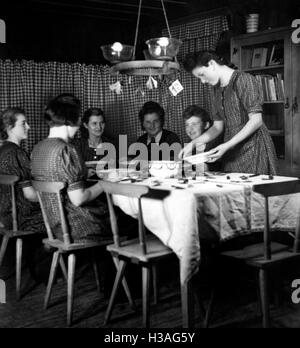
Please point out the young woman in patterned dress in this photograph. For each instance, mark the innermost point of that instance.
(237, 111)
(56, 159)
(15, 161)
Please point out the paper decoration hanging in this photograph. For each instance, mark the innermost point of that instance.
(175, 88)
(116, 87)
(151, 83)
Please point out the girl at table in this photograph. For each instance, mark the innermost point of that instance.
(236, 111)
(92, 138)
(197, 121)
(56, 159)
(15, 161)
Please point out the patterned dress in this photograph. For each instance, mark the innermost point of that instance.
(53, 159)
(15, 161)
(89, 153)
(232, 104)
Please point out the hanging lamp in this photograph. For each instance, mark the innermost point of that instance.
(163, 50)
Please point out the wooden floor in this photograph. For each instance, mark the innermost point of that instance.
(236, 305)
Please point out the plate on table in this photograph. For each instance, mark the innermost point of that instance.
(197, 159)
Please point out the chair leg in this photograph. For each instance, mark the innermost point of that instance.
(4, 243)
(96, 272)
(263, 283)
(71, 277)
(121, 269)
(125, 286)
(154, 282)
(146, 296)
(55, 260)
(19, 248)
(210, 308)
(63, 268)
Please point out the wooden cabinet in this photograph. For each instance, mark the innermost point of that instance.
(274, 59)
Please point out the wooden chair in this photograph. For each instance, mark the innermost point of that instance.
(145, 251)
(268, 255)
(66, 247)
(14, 233)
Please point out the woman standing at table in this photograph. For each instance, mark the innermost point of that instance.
(56, 159)
(237, 111)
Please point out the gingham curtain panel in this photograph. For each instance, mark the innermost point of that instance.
(31, 85)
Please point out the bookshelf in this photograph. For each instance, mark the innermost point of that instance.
(273, 58)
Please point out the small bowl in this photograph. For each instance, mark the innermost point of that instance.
(163, 169)
(117, 52)
(163, 48)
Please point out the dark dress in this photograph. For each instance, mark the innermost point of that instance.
(88, 153)
(15, 161)
(53, 159)
(167, 137)
(232, 104)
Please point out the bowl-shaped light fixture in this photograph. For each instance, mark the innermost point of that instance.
(117, 52)
(163, 48)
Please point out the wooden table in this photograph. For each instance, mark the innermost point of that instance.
(225, 202)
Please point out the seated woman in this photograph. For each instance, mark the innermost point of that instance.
(56, 159)
(152, 118)
(15, 161)
(197, 121)
(92, 129)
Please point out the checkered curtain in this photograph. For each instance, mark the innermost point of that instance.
(31, 85)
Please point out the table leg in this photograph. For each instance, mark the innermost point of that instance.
(187, 305)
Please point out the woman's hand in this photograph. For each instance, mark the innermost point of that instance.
(217, 152)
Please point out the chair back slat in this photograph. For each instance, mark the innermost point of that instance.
(272, 190)
(8, 179)
(45, 217)
(48, 187)
(63, 220)
(11, 180)
(55, 188)
(14, 207)
(128, 190)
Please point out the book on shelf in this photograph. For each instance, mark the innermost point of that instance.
(264, 57)
(272, 87)
(257, 57)
(277, 54)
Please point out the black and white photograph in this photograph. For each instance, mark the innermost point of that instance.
(149, 166)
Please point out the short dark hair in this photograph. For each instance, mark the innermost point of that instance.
(92, 112)
(149, 108)
(63, 110)
(86, 117)
(202, 58)
(8, 119)
(196, 110)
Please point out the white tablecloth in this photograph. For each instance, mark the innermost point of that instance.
(227, 205)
